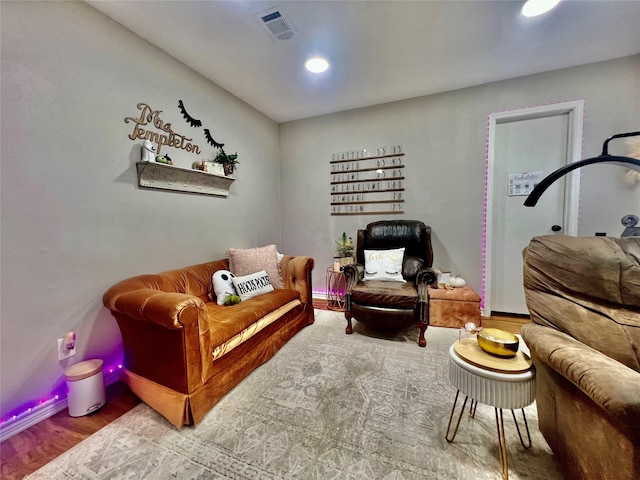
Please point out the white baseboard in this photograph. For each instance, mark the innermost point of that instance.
(38, 414)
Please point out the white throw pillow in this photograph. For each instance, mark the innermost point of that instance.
(250, 286)
(223, 285)
(384, 265)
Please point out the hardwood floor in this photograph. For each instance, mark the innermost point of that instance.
(27, 451)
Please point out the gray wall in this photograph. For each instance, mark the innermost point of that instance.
(73, 220)
(444, 137)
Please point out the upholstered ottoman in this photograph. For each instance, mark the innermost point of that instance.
(453, 308)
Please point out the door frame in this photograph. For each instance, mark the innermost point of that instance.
(575, 110)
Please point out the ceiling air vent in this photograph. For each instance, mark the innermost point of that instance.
(277, 24)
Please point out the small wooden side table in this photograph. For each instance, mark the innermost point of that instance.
(336, 289)
(500, 383)
(453, 307)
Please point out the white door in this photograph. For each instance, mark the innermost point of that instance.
(525, 149)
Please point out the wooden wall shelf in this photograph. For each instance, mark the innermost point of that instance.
(167, 177)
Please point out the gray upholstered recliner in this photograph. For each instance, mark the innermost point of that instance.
(386, 304)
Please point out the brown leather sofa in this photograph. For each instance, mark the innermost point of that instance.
(584, 298)
(183, 352)
(385, 304)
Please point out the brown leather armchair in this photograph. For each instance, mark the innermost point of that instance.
(388, 304)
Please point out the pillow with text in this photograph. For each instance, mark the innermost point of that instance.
(384, 265)
(249, 286)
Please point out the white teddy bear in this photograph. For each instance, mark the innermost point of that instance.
(223, 285)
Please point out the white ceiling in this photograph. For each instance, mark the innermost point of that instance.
(380, 51)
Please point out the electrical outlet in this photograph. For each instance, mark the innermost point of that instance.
(63, 352)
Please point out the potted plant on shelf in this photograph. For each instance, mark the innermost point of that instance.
(344, 248)
(228, 161)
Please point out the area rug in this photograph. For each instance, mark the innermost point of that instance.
(370, 405)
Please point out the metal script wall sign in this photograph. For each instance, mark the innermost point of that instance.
(164, 134)
(149, 126)
(368, 183)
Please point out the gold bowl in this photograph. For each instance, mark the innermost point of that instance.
(498, 342)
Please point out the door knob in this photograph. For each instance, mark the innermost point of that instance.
(556, 228)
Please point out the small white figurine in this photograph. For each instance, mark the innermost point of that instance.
(148, 151)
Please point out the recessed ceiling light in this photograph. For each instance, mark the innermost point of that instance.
(316, 65)
(533, 8)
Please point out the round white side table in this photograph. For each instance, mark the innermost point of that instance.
(499, 389)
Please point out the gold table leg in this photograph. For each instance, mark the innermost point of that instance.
(502, 444)
(472, 413)
(453, 409)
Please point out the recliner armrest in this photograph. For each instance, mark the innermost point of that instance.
(354, 273)
(426, 276)
(612, 386)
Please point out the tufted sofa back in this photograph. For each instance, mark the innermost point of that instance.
(194, 280)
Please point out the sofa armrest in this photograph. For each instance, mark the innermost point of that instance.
(147, 304)
(152, 320)
(612, 386)
(296, 275)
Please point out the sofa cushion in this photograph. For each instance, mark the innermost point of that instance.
(253, 330)
(251, 260)
(249, 286)
(227, 321)
(386, 294)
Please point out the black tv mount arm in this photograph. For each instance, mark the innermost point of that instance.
(546, 182)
